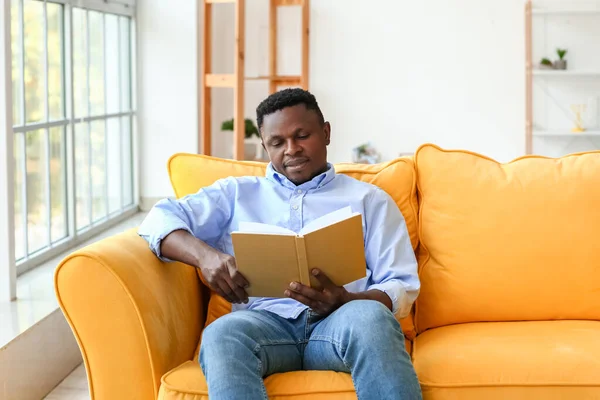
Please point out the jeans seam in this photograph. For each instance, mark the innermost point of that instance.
(277, 343)
(322, 338)
(264, 389)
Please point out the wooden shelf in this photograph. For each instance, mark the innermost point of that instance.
(565, 133)
(209, 79)
(280, 3)
(290, 79)
(220, 80)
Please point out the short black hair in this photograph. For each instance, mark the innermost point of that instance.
(287, 98)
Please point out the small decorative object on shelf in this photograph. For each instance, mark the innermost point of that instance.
(578, 110)
(253, 149)
(365, 154)
(546, 64)
(561, 63)
(250, 127)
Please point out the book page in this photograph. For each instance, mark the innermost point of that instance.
(257, 227)
(328, 219)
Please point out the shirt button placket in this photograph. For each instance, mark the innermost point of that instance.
(296, 207)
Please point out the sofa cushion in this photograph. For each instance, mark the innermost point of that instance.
(190, 172)
(510, 360)
(187, 382)
(507, 242)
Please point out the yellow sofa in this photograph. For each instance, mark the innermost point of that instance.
(509, 259)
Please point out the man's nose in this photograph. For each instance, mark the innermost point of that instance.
(292, 147)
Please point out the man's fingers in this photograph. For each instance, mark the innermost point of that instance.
(323, 279)
(307, 291)
(237, 292)
(226, 291)
(236, 275)
(238, 278)
(313, 304)
(237, 281)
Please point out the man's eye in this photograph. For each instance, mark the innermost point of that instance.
(303, 136)
(275, 144)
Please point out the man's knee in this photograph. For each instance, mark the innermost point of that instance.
(229, 333)
(370, 319)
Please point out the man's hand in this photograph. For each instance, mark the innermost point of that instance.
(219, 270)
(221, 274)
(324, 301)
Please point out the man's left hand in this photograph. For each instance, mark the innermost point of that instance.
(324, 301)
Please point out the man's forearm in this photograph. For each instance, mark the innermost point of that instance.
(374, 294)
(182, 246)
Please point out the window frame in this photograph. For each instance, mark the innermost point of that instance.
(68, 122)
(8, 270)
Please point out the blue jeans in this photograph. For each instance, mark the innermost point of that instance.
(361, 338)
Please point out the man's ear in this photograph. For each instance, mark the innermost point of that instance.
(262, 142)
(327, 132)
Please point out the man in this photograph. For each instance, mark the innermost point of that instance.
(351, 329)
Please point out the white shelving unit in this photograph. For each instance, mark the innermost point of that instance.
(550, 93)
(565, 73)
(565, 12)
(565, 133)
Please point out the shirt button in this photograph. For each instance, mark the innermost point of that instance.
(294, 207)
(298, 191)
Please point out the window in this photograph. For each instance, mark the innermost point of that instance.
(72, 121)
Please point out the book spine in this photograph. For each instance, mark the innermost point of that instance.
(302, 261)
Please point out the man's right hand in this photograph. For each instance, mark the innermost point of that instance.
(222, 276)
(218, 270)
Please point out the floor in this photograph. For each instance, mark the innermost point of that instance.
(74, 387)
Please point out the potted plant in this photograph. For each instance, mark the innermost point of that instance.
(250, 127)
(252, 142)
(561, 63)
(546, 64)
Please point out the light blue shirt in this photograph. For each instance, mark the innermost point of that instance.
(214, 212)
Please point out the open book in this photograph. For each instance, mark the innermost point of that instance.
(271, 257)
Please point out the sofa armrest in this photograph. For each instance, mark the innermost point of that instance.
(134, 317)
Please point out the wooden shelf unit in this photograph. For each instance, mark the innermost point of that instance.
(236, 80)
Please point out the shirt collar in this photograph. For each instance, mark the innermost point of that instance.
(317, 182)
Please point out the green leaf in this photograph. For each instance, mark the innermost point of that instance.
(561, 53)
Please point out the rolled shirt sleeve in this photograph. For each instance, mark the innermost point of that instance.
(389, 253)
(203, 214)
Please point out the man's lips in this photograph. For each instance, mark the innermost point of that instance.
(293, 164)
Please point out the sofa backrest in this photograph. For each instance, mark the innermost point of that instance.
(190, 172)
(507, 242)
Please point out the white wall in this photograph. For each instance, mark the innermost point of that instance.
(397, 73)
(167, 96)
(408, 72)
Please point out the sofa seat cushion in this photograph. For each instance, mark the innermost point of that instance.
(510, 360)
(187, 382)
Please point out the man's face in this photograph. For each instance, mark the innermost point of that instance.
(296, 142)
